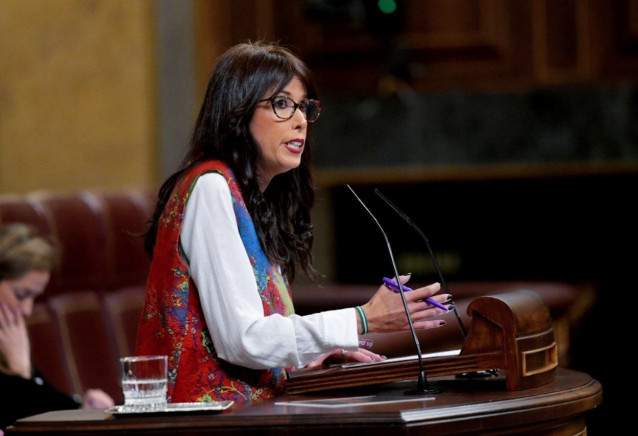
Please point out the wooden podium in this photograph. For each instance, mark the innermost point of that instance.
(511, 331)
(463, 407)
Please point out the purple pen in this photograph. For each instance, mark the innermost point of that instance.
(393, 286)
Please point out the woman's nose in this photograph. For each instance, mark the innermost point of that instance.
(299, 119)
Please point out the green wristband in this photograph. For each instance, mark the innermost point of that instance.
(364, 320)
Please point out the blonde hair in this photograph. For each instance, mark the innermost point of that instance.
(23, 250)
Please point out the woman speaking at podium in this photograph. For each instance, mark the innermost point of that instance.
(229, 231)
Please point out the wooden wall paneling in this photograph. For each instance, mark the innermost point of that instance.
(343, 52)
(614, 45)
(469, 42)
(212, 37)
(435, 44)
(456, 25)
(561, 41)
(252, 19)
(223, 23)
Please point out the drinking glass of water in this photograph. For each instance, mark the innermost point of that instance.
(144, 382)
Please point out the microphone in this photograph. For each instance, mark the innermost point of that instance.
(422, 382)
(427, 244)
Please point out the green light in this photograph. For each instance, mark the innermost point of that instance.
(387, 6)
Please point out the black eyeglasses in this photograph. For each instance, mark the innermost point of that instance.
(285, 107)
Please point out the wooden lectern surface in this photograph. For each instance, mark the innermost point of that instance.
(462, 407)
(511, 331)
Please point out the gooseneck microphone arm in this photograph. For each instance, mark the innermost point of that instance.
(422, 383)
(427, 243)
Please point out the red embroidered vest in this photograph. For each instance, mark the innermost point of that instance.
(172, 322)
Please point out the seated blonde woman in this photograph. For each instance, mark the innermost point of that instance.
(26, 261)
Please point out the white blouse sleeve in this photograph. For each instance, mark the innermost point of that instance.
(224, 277)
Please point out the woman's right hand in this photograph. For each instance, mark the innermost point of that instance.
(14, 341)
(385, 311)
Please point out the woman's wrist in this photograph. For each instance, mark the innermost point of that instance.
(363, 321)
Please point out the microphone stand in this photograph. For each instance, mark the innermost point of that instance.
(407, 219)
(422, 382)
(427, 243)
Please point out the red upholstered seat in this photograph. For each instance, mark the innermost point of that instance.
(78, 226)
(87, 317)
(15, 209)
(87, 343)
(46, 348)
(123, 308)
(125, 214)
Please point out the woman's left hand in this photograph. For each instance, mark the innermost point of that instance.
(341, 356)
(14, 341)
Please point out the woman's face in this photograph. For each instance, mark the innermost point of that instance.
(281, 142)
(21, 292)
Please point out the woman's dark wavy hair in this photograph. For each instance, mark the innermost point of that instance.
(281, 214)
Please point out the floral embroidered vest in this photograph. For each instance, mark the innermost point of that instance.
(172, 322)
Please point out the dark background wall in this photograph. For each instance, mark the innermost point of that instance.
(575, 229)
(536, 185)
(569, 123)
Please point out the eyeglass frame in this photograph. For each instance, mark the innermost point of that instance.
(295, 105)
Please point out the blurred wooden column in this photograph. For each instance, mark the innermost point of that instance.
(220, 24)
(561, 40)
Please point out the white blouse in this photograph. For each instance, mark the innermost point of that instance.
(234, 313)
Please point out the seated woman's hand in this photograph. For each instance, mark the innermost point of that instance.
(385, 311)
(96, 399)
(342, 356)
(14, 341)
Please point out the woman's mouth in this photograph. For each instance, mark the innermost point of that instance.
(296, 145)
